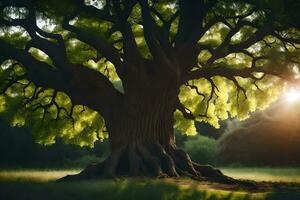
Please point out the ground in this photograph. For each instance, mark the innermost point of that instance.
(39, 184)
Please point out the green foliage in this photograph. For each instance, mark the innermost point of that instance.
(79, 52)
(19, 150)
(184, 125)
(202, 149)
(52, 114)
(49, 122)
(9, 106)
(40, 55)
(54, 8)
(227, 100)
(16, 36)
(215, 35)
(270, 137)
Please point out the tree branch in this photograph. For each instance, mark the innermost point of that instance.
(225, 48)
(84, 86)
(101, 45)
(192, 13)
(102, 14)
(226, 72)
(185, 112)
(57, 52)
(131, 51)
(151, 35)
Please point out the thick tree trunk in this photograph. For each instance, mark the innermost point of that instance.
(142, 143)
(141, 135)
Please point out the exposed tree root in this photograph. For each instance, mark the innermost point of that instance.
(152, 160)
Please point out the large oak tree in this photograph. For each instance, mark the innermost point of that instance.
(132, 70)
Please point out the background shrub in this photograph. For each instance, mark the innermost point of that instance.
(269, 138)
(201, 149)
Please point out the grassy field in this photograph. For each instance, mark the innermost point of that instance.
(38, 184)
(265, 174)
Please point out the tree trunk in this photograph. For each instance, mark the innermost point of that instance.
(142, 142)
(141, 134)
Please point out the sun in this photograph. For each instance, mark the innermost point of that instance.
(292, 95)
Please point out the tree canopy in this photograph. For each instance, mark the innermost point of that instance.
(66, 63)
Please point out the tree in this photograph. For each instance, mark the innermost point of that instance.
(268, 138)
(132, 70)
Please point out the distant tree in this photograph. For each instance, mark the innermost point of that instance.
(202, 149)
(270, 138)
(208, 130)
(132, 70)
(18, 149)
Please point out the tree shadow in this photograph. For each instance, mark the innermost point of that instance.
(125, 190)
(283, 196)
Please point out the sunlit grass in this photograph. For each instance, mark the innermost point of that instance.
(265, 174)
(40, 184)
(126, 190)
(33, 175)
(257, 174)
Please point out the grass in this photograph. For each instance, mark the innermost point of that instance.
(38, 184)
(33, 175)
(147, 190)
(265, 174)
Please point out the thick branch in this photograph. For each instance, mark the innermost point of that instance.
(151, 35)
(84, 86)
(102, 14)
(37, 72)
(226, 72)
(131, 51)
(57, 52)
(191, 26)
(225, 48)
(185, 112)
(287, 39)
(101, 45)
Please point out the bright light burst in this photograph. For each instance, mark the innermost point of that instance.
(292, 95)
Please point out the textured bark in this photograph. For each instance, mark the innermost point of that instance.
(140, 120)
(142, 143)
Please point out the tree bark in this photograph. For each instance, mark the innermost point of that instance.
(142, 141)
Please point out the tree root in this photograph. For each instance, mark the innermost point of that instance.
(152, 160)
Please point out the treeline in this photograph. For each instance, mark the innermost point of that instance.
(18, 149)
(258, 141)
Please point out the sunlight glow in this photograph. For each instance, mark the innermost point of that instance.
(46, 25)
(292, 95)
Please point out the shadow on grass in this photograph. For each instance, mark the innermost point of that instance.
(283, 196)
(127, 190)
